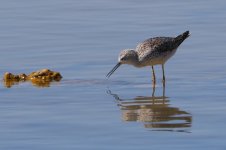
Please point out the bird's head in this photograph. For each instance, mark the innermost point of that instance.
(127, 56)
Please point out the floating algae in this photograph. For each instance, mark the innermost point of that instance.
(40, 78)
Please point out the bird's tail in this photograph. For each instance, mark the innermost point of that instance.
(180, 38)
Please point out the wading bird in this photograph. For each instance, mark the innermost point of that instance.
(153, 51)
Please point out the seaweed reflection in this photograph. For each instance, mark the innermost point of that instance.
(36, 83)
(154, 112)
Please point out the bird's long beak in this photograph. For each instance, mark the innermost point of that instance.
(113, 70)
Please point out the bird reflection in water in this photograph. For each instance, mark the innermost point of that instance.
(154, 112)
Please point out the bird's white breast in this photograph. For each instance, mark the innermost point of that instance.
(161, 59)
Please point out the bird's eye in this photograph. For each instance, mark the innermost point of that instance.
(123, 58)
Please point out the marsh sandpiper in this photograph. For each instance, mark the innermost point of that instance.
(153, 51)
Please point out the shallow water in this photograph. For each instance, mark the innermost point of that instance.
(82, 40)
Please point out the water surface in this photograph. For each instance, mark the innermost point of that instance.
(82, 39)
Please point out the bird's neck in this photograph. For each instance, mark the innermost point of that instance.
(136, 61)
(137, 64)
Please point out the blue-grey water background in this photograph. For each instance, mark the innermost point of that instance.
(82, 39)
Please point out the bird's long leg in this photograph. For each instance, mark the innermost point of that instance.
(163, 92)
(153, 75)
(153, 92)
(163, 74)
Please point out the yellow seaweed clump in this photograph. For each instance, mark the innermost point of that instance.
(9, 76)
(40, 78)
(45, 75)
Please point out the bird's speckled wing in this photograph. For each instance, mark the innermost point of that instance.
(155, 47)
